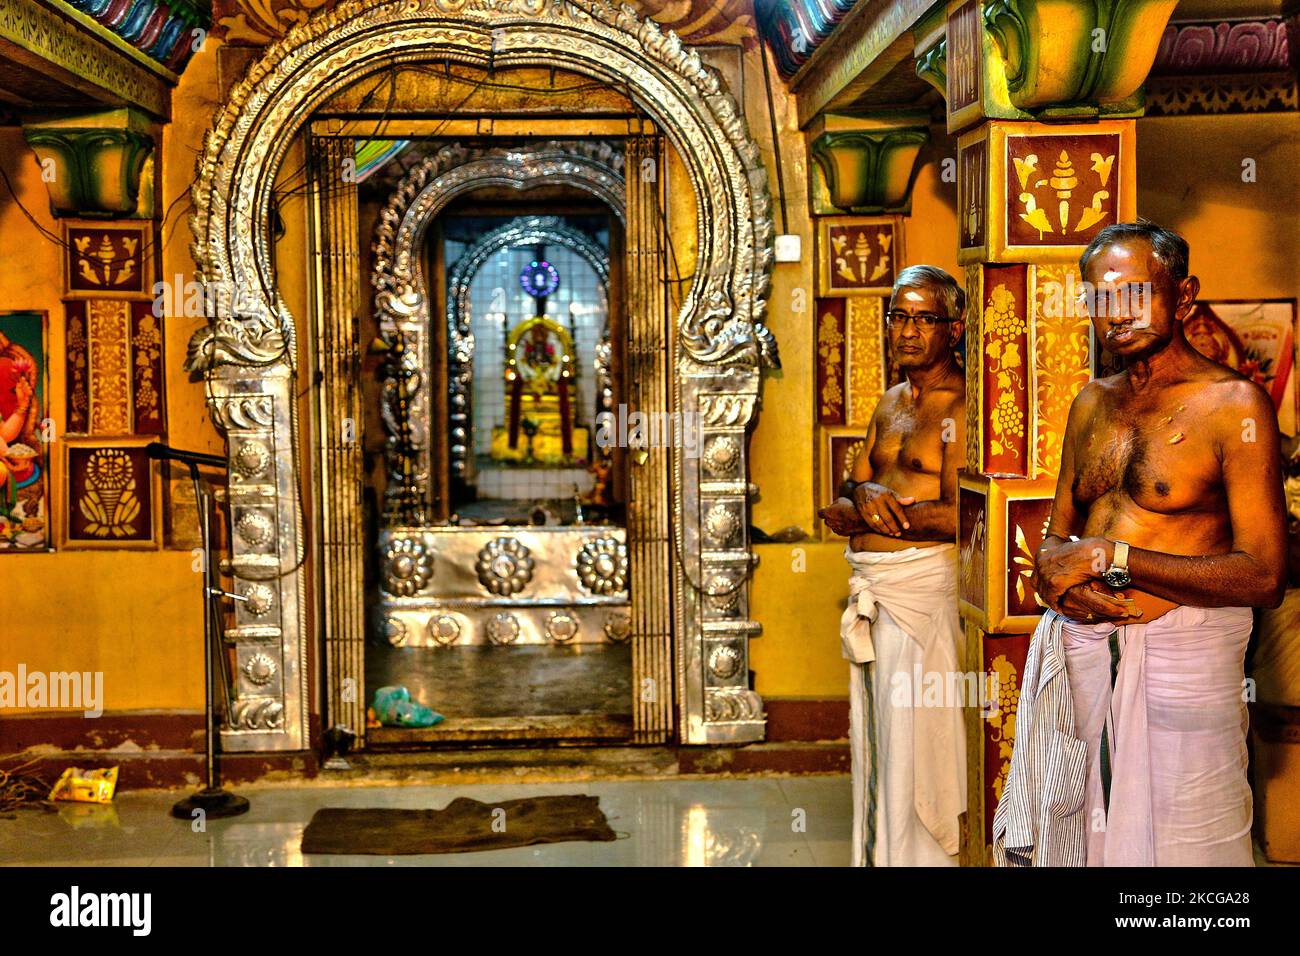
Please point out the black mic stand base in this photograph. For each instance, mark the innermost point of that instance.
(215, 802)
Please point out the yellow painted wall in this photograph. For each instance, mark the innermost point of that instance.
(1244, 237)
(135, 616)
(798, 595)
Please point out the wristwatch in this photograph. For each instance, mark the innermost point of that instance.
(1117, 575)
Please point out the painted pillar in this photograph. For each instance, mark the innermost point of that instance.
(1044, 111)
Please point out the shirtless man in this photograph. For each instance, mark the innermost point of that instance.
(899, 507)
(1167, 528)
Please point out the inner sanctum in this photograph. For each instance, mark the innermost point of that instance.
(495, 491)
(528, 489)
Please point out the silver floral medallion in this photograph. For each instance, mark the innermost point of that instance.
(504, 566)
(444, 630)
(255, 529)
(721, 455)
(503, 628)
(618, 628)
(562, 627)
(260, 670)
(395, 630)
(602, 566)
(252, 459)
(407, 567)
(724, 661)
(258, 599)
(721, 525)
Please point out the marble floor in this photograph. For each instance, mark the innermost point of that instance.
(767, 821)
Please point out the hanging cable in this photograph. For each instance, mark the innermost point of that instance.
(776, 141)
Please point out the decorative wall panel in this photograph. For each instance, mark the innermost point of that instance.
(114, 367)
(102, 260)
(868, 352)
(857, 255)
(1005, 369)
(832, 349)
(1002, 658)
(1061, 342)
(1045, 190)
(111, 495)
(1000, 527)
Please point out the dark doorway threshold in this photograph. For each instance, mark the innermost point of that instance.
(457, 731)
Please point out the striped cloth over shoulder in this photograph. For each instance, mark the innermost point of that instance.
(1040, 820)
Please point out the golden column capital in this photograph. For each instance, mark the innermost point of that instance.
(864, 164)
(1049, 59)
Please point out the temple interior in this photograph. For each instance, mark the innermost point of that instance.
(530, 336)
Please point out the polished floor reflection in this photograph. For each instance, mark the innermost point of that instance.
(798, 821)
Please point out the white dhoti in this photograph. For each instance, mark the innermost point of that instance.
(903, 637)
(1169, 698)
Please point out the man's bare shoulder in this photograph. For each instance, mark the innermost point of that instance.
(1092, 394)
(1233, 397)
(956, 393)
(891, 397)
(895, 392)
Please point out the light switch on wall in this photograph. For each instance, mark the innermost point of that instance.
(788, 249)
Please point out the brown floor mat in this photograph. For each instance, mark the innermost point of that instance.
(465, 825)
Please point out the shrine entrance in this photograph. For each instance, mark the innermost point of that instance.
(520, 215)
(501, 588)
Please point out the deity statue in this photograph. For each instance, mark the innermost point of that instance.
(19, 417)
(539, 381)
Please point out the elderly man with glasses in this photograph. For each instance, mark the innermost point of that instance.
(901, 632)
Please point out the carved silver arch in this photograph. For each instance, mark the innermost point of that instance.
(249, 349)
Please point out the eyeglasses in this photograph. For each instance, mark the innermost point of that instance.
(922, 320)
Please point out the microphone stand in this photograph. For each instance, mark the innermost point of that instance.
(213, 800)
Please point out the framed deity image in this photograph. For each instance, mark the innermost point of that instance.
(1256, 338)
(25, 432)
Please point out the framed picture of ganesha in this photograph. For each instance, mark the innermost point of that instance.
(111, 494)
(1255, 338)
(25, 433)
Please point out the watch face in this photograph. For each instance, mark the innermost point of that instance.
(1116, 577)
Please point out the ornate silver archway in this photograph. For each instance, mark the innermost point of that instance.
(249, 349)
(402, 290)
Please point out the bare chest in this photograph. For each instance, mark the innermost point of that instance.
(911, 438)
(1161, 457)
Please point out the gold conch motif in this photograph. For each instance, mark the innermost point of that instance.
(862, 250)
(1064, 182)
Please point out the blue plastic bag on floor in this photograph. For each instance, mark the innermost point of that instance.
(393, 707)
